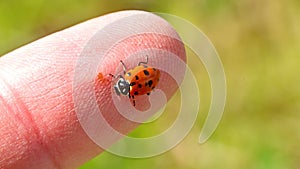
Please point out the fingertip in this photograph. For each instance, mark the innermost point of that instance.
(42, 75)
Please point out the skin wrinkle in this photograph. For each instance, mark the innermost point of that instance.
(47, 92)
(32, 135)
(42, 139)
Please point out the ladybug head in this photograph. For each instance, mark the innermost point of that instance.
(122, 87)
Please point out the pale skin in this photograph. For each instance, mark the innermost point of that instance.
(38, 125)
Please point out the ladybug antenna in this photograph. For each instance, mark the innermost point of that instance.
(116, 77)
(144, 62)
(112, 75)
(124, 67)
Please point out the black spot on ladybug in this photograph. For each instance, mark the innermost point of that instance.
(146, 72)
(136, 93)
(132, 84)
(148, 94)
(150, 82)
(136, 78)
(128, 74)
(140, 86)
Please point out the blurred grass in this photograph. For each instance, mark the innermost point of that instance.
(258, 42)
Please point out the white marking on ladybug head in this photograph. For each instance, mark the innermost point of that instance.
(122, 87)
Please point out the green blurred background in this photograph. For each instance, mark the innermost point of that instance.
(259, 44)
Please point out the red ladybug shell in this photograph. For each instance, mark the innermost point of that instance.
(142, 79)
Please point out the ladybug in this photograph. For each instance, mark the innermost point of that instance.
(137, 81)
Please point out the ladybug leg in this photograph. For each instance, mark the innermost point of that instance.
(124, 67)
(133, 100)
(112, 75)
(144, 62)
(116, 77)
